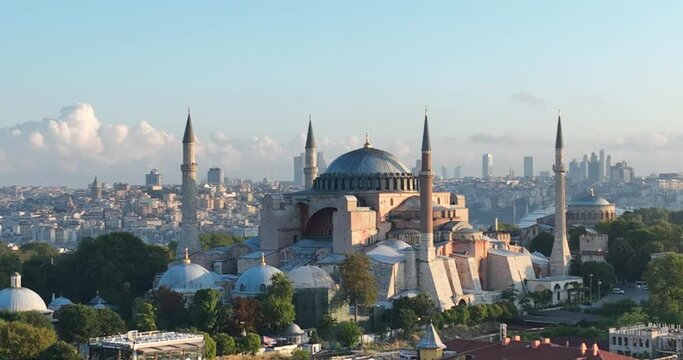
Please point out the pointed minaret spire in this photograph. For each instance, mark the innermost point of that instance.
(311, 160)
(426, 143)
(189, 132)
(558, 138)
(310, 139)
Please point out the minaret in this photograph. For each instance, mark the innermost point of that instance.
(189, 235)
(560, 256)
(426, 252)
(311, 162)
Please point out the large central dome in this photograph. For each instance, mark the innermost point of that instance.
(366, 169)
(367, 160)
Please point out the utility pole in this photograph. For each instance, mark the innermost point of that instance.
(590, 285)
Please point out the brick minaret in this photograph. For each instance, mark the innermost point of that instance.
(189, 235)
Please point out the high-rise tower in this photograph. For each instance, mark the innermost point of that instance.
(189, 235)
(311, 162)
(96, 189)
(560, 256)
(427, 251)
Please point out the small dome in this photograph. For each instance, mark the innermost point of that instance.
(256, 279)
(394, 243)
(367, 160)
(310, 277)
(57, 303)
(385, 254)
(186, 276)
(292, 329)
(18, 299)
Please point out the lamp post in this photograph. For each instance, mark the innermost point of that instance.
(599, 283)
(590, 286)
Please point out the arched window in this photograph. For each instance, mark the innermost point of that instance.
(242, 287)
(262, 288)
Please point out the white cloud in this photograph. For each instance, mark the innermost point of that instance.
(526, 97)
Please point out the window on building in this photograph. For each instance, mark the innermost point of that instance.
(262, 288)
(619, 340)
(614, 340)
(647, 343)
(242, 287)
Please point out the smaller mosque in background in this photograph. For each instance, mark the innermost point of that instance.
(367, 200)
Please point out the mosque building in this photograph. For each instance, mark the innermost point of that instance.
(418, 240)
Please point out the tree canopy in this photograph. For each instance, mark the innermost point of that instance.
(276, 303)
(543, 243)
(664, 277)
(21, 341)
(357, 281)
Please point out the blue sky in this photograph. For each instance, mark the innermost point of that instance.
(493, 74)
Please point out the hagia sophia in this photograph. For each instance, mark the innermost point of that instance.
(418, 240)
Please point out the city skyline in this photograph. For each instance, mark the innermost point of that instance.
(252, 73)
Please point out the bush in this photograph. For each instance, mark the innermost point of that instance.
(225, 344)
(60, 351)
(349, 333)
(249, 344)
(209, 346)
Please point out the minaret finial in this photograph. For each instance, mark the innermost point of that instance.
(426, 142)
(367, 140)
(263, 258)
(558, 139)
(187, 256)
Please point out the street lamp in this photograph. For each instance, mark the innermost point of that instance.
(599, 283)
(590, 286)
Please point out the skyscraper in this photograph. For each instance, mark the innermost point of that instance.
(594, 169)
(299, 170)
(486, 166)
(528, 166)
(458, 172)
(215, 176)
(153, 179)
(601, 169)
(560, 256)
(189, 234)
(444, 172)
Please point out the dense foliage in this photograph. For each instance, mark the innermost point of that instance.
(213, 240)
(357, 281)
(664, 276)
(276, 303)
(21, 341)
(78, 323)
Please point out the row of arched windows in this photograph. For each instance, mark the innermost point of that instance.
(400, 182)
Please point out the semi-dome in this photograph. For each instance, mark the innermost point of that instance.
(366, 169)
(395, 243)
(310, 277)
(367, 160)
(187, 277)
(256, 279)
(19, 299)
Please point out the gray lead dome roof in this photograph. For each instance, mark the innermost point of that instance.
(367, 160)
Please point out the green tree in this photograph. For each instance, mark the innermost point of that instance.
(479, 313)
(664, 277)
(619, 252)
(543, 243)
(214, 240)
(357, 281)
(225, 344)
(209, 346)
(60, 350)
(575, 237)
(407, 320)
(276, 303)
(21, 341)
(349, 333)
(108, 322)
(118, 265)
(33, 318)
(635, 316)
(10, 262)
(249, 344)
(77, 323)
(603, 273)
(144, 315)
(224, 321)
(410, 311)
(204, 309)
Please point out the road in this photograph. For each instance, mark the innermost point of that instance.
(630, 292)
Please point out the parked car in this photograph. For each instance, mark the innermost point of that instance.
(617, 291)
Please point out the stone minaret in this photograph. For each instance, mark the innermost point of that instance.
(426, 251)
(560, 256)
(189, 235)
(311, 162)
